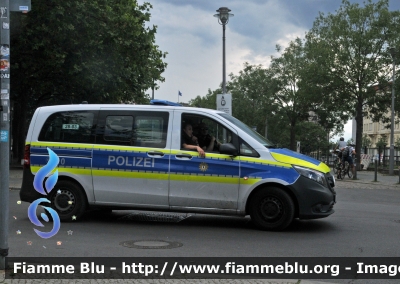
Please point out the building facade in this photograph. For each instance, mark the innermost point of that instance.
(376, 130)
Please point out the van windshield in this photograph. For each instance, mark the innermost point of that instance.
(264, 141)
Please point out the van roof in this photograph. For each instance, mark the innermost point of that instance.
(55, 108)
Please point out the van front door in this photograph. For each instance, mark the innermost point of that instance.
(204, 183)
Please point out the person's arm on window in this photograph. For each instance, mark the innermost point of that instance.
(195, 148)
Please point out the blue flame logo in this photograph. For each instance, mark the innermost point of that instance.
(49, 185)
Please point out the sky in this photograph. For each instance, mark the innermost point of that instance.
(187, 30)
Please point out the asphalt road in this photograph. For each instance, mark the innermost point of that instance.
(366, 224)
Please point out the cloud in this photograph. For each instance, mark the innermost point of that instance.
(192, 37)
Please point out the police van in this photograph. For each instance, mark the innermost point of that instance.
(131, 157)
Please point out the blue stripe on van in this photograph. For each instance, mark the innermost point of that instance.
(263, 171)
(61, 152)
(65, 161)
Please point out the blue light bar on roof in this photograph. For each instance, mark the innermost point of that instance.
(164, 103)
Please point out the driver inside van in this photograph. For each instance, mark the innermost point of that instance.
(189, 141)
(206, 141)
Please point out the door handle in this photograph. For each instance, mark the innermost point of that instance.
(183, 156)
(155, 153)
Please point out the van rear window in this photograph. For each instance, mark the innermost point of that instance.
(71, 126)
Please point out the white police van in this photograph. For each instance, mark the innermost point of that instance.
(131, 157)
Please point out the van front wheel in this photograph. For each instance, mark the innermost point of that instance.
(68, 199)
(271, 209)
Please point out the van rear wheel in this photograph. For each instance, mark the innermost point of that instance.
(68, 199)
(272, 209)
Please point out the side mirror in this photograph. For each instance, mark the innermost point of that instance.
(228, 149)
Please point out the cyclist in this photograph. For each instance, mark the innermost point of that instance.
(340, 146)
(347, 156)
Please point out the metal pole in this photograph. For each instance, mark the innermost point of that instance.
(391, 157)
(4, 128)
(376, 171)
(223, 60)
(152, 92)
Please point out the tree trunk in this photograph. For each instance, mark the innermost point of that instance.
(359, 130)
(292, 136)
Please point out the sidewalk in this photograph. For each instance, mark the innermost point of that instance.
(15, 177)
(368, 177)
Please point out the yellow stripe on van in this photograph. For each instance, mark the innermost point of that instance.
(75, 171)
(299, 162)
(264, 162)
(128, 148)
(61, 145)
(206, 178)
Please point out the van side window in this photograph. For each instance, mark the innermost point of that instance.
(208, 133)
(69, 127)
(119, 128)
(151, 131)
(133, 128)
(247, 150)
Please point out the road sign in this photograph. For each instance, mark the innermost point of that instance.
(23, 6)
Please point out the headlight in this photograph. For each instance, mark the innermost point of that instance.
(312, 174)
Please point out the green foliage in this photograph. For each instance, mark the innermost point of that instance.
(397, 142)
(209, 101)
(64, 52)
(99, 51)
(252, 100)
(255, 91)
(293, 100)
(349, 50)
(366, 142)
(312, 136)
(382, 141)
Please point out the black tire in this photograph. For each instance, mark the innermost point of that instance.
(340, 174)
(334, 168)
(349, 172)
(272, 209)
(69, 200)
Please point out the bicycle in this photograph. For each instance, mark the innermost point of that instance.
(336, 162)
(343, 171)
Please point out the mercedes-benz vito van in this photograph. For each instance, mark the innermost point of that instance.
(132, 157)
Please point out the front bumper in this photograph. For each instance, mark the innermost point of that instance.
(314, 200)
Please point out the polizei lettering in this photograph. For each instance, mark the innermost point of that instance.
(131, 161)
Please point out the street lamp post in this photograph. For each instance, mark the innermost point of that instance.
(391, 157)
(223, 18)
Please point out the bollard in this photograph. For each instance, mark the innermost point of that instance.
(376, 170)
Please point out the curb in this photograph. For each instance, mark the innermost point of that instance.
(370, 182)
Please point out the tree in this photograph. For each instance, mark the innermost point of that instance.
(65, 52)
(350, 49)
(382, 141)
(293, 100)
(252, 97)
(366, 142)
(209, 101)
(312, 136)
